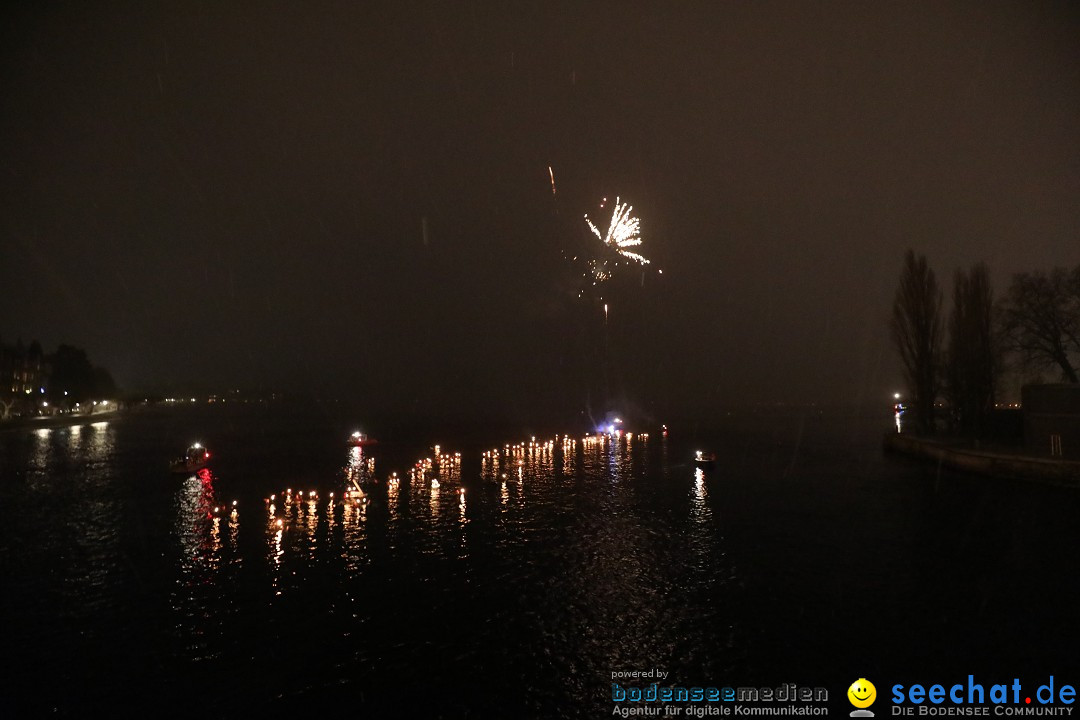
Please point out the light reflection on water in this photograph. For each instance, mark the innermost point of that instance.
(524, 592)
(303, 528)
(400, 549)
(555, 521)
(39, 461)
(433, 500)
(198, 532)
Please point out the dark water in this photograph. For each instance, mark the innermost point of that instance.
(807, 556)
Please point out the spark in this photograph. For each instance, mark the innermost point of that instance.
(624, 231)
(552, 174)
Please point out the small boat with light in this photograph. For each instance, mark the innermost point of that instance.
(704, 460)
(359, 439)
(196, 458)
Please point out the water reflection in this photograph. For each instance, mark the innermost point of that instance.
(290, 529)
(234, 526)
(536, 528)
(74, 437)
(355, 536)
(101, 441)
(40, 457)
(700, 511)
(608, 456)
(344, 535)
(569, 455)
(311, 522)
(359, 469)
(393, 487)
(276, 551)
(198, 530)
(614, 579)
(65, 526)
(195, 504)
(589, 576)
(302, 525)
(89, 448)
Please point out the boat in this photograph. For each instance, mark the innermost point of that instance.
(196, 458)
(705, 461)
(359, 439)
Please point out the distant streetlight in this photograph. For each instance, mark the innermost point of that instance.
(896, 396)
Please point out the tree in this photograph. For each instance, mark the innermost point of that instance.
(916, 330)
(72, 374)
(104, 385)
(1041, 320)
(973, 357)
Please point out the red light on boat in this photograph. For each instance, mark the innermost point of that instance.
(206, 456)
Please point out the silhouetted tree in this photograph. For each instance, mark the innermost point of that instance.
(973, 357)
(104, 385)
(73, 373)
(1041, 319)
(916, 329)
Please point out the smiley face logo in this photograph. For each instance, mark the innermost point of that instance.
(862, 693)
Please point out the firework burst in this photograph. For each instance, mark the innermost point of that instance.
(624, 231)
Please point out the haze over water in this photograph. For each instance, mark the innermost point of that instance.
(806, 556)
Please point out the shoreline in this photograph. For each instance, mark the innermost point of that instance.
(59, 421)
(997, 464)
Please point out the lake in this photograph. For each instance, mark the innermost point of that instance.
(806, 556)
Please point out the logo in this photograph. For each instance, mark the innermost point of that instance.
(974, 698)
(862, 694)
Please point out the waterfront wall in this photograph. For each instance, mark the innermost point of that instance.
(57, 421)
(983, 462)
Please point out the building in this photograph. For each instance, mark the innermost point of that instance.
(1052, 420)
(22, 369)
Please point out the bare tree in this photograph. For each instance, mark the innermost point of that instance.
(916, 329)
(973, 358)
(1041, 320)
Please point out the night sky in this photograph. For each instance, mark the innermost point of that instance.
(353, 198)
